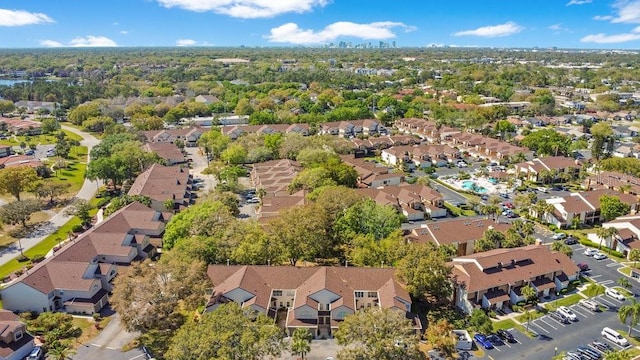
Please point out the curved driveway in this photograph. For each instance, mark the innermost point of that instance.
(88, 190)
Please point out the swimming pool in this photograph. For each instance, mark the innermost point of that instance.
(472, 186)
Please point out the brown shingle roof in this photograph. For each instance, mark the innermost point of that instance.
(494, 268)
(342, 281)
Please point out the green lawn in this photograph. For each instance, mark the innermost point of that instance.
(43, 247)
(590, 291)
(624, 291)
(565, 301)
(505, 324)
(625, 270)
(536, 314)
(38, 139)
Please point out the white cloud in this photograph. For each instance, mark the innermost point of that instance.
(610, 39)
(579, 2)
(292, 33)
(92, 41)
(186, 42)
(88, 41)
(602, 17)
(247, 9)
(559, 28)
(627, 11)
(51, 43)
(124, 32)
(506, 29)
(22, 18)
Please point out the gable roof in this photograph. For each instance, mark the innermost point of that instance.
(161, 183)
(306, 281)
(499, 267)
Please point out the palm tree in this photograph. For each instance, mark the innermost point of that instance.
(60, 352)
(617, 355)
(300, 342)
(603, 233)
(635, 256)
(629, 312)
(528, 316)
(559, 246)
(624, 282)
(542, 208)
(596, 289)
(530, 294)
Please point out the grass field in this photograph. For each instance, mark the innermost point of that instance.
(43, 247)
(38, 139)
(565, 301)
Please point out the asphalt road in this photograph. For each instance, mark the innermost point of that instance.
(88, 190)
(450, 196)
(107, 345)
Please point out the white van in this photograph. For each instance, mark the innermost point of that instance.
(614, 337)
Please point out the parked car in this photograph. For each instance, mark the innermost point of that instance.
(484, 197)
(589, 304)
(254, 200)
(583, 267)
(574, 355)
(508, 205)
(36, 353)
(559, 236)
(599, 256)
(559, 317)
(570, 240)
(590, 251)
(614, 337)
(543, 189)
(589, 353)
(614, 294)
(483, 341)
(604, 347)
(568, 313)
(506, 335)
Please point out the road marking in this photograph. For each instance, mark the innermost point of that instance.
(605, 282)
(594, 276)
(112, 348)
(608, 301)
(614, 264)
(549, 325)
(541, 328)
(96, 345)
(137, 356)
(575, 310)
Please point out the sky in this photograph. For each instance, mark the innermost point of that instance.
(590, 24)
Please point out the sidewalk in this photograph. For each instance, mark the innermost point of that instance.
(88, 190)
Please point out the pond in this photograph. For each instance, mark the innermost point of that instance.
(11, 82)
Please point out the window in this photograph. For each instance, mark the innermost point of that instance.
(372, 294)
(18, 335)
(359, 294)
(277, 292)
(288, 304)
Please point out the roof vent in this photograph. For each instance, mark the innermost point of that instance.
(499, 265)
(513, 262)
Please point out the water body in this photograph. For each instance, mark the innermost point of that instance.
(11, 82)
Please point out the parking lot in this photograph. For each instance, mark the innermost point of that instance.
(555, 337)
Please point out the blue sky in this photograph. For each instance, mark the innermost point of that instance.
(611, 24)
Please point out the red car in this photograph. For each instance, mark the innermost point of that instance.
(508, 205)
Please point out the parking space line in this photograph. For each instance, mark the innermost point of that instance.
(594, 276)
(575, 310)
(549, 325)
(137, 356)
(615, 263)
(540, 327)
(608, 302)
(605, 282)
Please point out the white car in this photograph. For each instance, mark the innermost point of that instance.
(614, 294)
(559, 236)
(568, 313)
(543, 189)
(599, 256)
(590, 252)
(589, 304)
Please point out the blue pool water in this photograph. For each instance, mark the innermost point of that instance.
(471, 186)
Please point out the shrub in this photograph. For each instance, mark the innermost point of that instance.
(553, 227)
(103, 202)
(37, 258)
(78, 228)
(22, 258)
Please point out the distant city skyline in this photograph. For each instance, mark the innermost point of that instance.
(574, 24)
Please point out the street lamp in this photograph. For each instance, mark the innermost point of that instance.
(555, 351)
